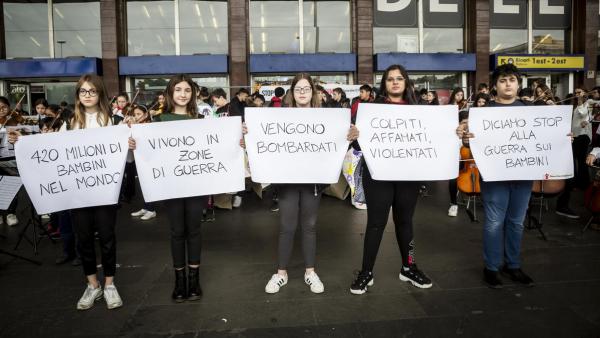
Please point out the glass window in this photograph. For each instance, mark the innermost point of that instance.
(151, 27)
(26, 29)
(151, 87)
(76, 28)
(548, 42)
(326, 26)
(508, 41)
(388, 39)
(203, 27)
(442, 40)
(274, 27)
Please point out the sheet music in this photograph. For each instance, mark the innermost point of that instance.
(6, 149)
(9, 186)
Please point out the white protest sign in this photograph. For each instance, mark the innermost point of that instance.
(296, 145)
(522, 143)
(73, 169)
(189, 158)
(409, 142)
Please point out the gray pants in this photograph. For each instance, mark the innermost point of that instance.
(298, 204)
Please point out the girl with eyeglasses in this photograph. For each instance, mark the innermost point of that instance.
(299, 203)
(92, 110)
(400, 196)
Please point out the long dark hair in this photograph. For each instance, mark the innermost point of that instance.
(453, 95)
(315, 102)
(409, 90)
(191, 108)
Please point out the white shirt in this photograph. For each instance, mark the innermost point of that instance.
(91, 121)
(581, 114)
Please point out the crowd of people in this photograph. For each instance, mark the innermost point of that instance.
(505, 203)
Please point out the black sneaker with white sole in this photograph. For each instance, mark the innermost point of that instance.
(567, 212)
(415, 276)
(362, 281)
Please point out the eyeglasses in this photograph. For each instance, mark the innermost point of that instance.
(92, 92)
(302, 90)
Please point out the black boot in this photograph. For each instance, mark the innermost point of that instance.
(195, 291)
(180, 291)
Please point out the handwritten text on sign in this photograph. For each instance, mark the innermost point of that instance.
(74, 169)
(409, 142)
(522, 143)
(189, 158)
(296, 145)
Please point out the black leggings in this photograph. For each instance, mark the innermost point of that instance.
(185, 215)
(100, 219)
(401, 196)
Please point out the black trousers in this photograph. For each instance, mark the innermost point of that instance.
(99, 219)
(186, 236)
(580, 152)
(401, 196)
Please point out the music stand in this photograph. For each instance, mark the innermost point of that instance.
(38, 225)
(2, 251)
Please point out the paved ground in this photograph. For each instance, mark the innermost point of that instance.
(239, 257)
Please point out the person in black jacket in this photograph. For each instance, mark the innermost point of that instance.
(238, 103)
(400, 196)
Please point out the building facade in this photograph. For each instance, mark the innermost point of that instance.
(46, 45)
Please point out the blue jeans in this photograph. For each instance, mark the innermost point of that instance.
(505, 204)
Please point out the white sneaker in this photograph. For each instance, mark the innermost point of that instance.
(275, 283)
(90, 295)
(46, 216)
(360, 206)
(453, 211)
(237, 201)
(12, 220)
(312, 280)
(111, 295)
(139, 213)
(148, 215)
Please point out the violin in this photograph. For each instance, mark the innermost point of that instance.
(468, 177)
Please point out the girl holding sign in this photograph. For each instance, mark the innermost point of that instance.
(92, 110)
(184, 213)
(298, 203)
(401, 196)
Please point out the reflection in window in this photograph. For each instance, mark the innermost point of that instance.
(430, 81)
(548, 42)
(203, 27)
(151, 87)
(151, 27)
(26, 29)
(274, 27)
(326, 26)
(286, 80)
(387, 39)
(442, 40)
(508, 41)
(76, 28)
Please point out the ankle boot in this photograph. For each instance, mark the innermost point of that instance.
(180, 291)
(195, 291)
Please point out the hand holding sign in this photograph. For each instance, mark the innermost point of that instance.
(409, 143)
(82, 168)
(189, 158)
(296, 145)
(522, 142)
